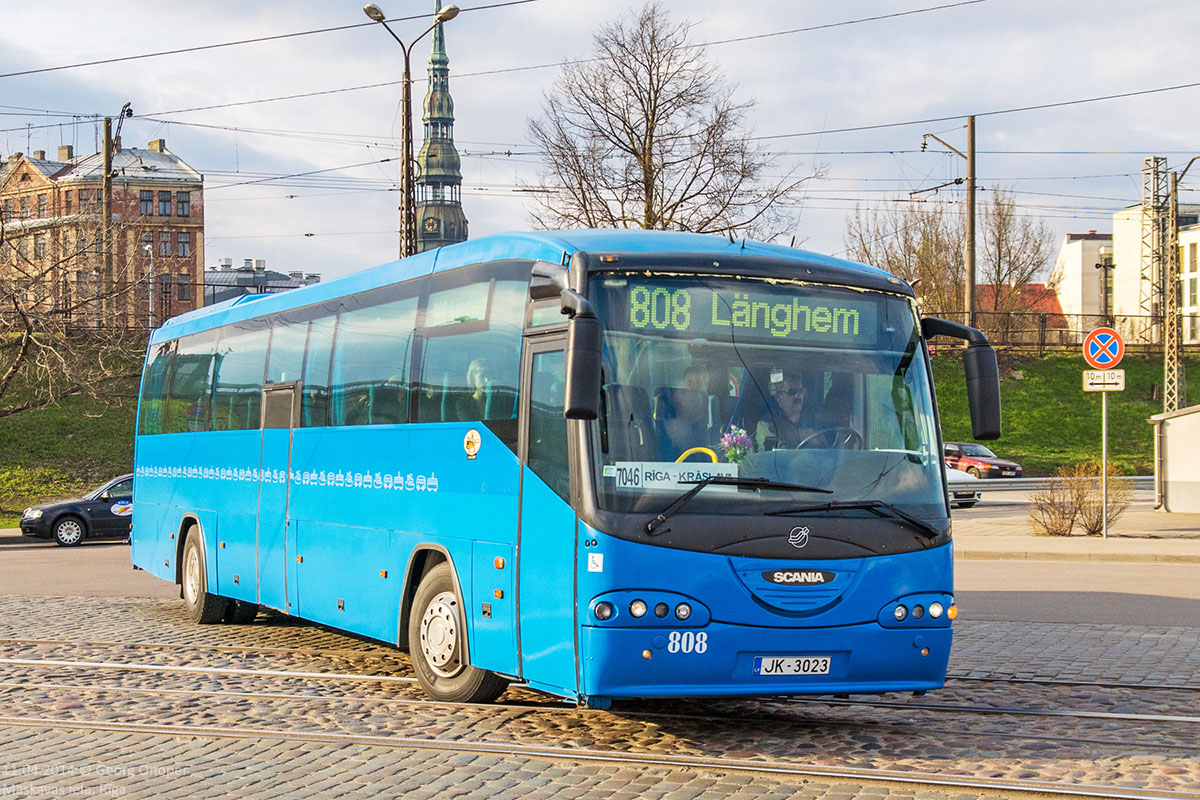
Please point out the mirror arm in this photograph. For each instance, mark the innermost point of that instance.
(936, 326)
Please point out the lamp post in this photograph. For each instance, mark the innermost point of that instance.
(1105, 265)
(148, 248)
(408, 189)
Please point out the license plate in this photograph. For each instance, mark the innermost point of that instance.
(1009, 472)
(791, 665)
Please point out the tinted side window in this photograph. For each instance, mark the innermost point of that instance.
(287, 352)
(472, 356)
(241, 359)
(189, 401)
(314, 398)
(371, 355)
(154, 387)
(121, 491)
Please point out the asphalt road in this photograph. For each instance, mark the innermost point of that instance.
(1029, 591)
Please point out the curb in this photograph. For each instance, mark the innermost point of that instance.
(1108, 558)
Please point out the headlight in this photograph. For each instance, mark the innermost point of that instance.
(638, 608)
(683, 611)
(32, 513)
(935, 609)
(901, 612)
(603, 611)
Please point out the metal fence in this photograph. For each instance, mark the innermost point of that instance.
(1040, 332)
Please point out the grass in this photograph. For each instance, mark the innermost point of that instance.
(1049, 421)
(62, 450)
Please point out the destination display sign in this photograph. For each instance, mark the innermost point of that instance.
(784, 314)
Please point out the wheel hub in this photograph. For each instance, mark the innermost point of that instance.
(191, 577)
(439, 635)
(69, 532)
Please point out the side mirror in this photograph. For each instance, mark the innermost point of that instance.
(584, 334)
(547, 281)
(983, 374)
(105, 497)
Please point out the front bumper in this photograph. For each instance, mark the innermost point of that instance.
(35, 527)
(864, 658)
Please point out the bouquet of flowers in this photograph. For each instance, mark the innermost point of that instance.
(735, 444)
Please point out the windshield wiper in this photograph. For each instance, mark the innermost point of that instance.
(877, 507)
(724, 480)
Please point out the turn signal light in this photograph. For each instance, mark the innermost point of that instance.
(952, 612)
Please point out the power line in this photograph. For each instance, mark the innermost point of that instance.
(256, 40)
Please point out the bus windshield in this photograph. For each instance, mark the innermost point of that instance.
(785, 382)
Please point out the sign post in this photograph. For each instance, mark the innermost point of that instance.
(1103, 349)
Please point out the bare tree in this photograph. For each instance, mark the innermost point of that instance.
(925, 241)
(58, 336)
(1015, 250)
(920, 242)
(646, 134)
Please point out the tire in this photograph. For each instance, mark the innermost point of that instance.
(973, 471)
(239, 612)
(202, 607)
(436, 635)
(69, 531)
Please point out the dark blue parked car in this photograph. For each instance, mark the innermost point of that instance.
(106, 511)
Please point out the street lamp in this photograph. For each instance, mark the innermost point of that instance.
(408, 189)
(1105, 265)
(148, 248)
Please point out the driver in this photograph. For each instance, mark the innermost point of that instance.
(784, 424)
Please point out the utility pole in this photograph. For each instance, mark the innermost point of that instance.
(106, 236)
(969, 248)
(970, 254)
(1174, 383)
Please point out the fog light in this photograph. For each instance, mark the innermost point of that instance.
(918, 612)
(603, 611)
(683, 611)
(952, 612)
(661, 610)
(637, 608)
(935, 610)
(901, 613)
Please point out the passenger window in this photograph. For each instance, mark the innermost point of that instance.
(121, 491)
(241, 360)
(190, 395)
(372, 352)
(287, 353)
(314, 399)
(547, 426)
(471, 362)
(154, 388)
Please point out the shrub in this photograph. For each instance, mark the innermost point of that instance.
(1053, 510)
(1120, 494)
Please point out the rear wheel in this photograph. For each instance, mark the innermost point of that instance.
(69, 531)
(202, 606)
(437, 643)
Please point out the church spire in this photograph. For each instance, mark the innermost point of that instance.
(440, 218)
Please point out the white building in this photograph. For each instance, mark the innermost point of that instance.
(1129, 284)
(1079, 279)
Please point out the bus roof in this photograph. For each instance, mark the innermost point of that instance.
(556, 247)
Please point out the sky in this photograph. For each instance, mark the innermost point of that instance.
(1071, 166)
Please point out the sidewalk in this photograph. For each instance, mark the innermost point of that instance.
(1140, 535)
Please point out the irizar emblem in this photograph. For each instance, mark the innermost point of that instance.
(798, 537)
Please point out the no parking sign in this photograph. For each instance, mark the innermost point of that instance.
(1103, 348)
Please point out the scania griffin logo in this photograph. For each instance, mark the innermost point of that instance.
(798, 577)
(798, 537)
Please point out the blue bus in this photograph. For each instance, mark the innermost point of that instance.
(601, 464)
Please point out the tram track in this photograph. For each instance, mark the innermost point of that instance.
(557, 707)
(1022, 786)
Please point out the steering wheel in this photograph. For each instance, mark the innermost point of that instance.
(840, 436)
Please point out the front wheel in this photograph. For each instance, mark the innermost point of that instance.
(974, 471)
(202, 606)
(437, 642)
(69, 531)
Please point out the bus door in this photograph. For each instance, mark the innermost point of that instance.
(281, 409)
(546, 538)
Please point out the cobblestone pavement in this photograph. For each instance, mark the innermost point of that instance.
(1155, 755)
